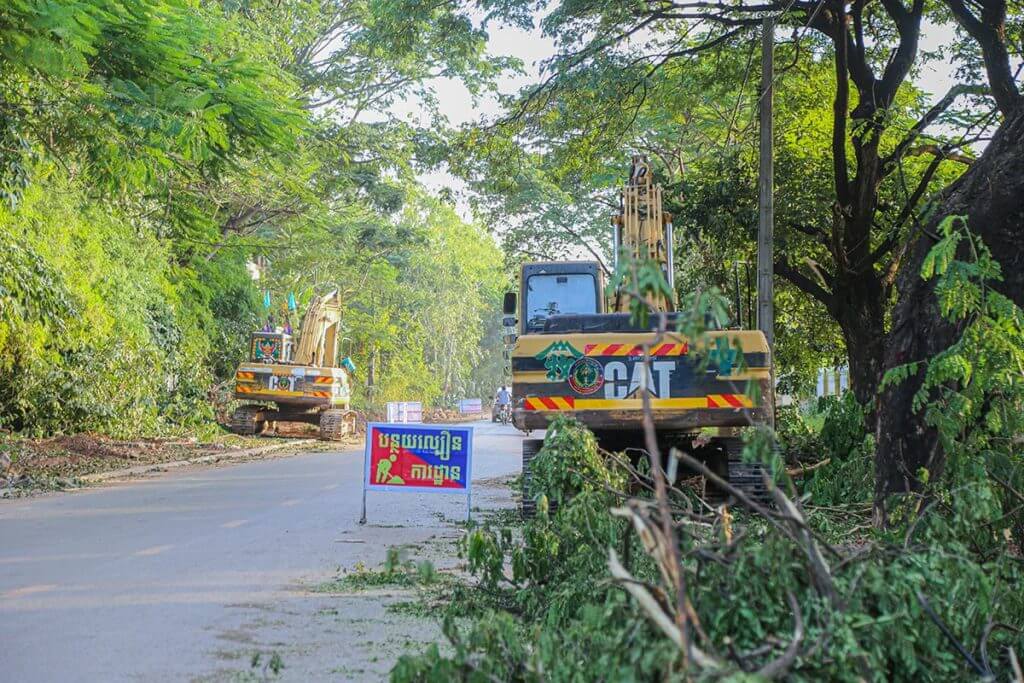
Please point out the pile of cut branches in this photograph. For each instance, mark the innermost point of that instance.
(785, 590)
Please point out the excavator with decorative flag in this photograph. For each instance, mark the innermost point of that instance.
(575, 352)
(303, 383)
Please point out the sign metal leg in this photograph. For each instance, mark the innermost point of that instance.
(362, 520)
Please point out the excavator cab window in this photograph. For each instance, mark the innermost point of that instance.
(558, 294)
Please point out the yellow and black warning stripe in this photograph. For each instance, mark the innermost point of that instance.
(733, 401)
(635, 349)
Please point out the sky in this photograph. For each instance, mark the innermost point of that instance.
(531, 47)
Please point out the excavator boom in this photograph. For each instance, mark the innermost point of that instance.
(318, 335)
(643, 230)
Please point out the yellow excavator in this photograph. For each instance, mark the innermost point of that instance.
(575, 352)
(303, 383)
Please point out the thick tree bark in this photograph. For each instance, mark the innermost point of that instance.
(991, 195)
(860, 311)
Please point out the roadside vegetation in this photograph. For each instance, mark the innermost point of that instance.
(627, 575)
(806, 590)
(152, 150)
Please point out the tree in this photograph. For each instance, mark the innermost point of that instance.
(874, 47)
(131, 90)
(988, 197)
(149, 148)
(695, 118)
(104, 324)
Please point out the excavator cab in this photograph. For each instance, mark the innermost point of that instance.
(270, 347)
(555, 289)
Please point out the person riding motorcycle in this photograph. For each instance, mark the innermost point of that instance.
(503, 405)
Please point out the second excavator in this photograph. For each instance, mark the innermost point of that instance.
(303, 383)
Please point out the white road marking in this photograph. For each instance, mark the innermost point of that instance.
(29, 590)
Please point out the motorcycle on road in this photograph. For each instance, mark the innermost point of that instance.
(503, 414)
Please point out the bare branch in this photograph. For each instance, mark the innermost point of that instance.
(989, 30)
(820, 572)
(655, 611)
(929, 118)
(941, 152)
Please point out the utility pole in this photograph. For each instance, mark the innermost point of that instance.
(766, 202)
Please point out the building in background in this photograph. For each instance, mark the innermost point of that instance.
(833, 381)
(257, 266)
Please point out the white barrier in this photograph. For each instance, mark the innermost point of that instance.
(471, 406)
(833, 381)
(405, 411)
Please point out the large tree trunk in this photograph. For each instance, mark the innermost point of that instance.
(991, 195)
(860, 311)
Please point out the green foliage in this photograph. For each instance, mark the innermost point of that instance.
(834, 430)
(397, 570)
(545, 607)
(895, 604)
(563, 618)
(421, 291)
(150, 148)
(550, 171)
(104, 349)
(570, 472)
(570, 464)
(168, 95)
(848, 478)
(118, 114)
(30, 292)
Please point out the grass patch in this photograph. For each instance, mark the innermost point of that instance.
(419, 609)
(394, 573)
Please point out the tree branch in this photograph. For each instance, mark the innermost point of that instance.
(804, 283)
(840, 107)
(907, 211)
(941, 152)
(908, 24)
(990, 33)
(811, 231)
(890, 161)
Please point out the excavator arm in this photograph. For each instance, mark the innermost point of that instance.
(318, 335)
(643, 229)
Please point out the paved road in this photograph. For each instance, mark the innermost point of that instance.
(186, 575)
